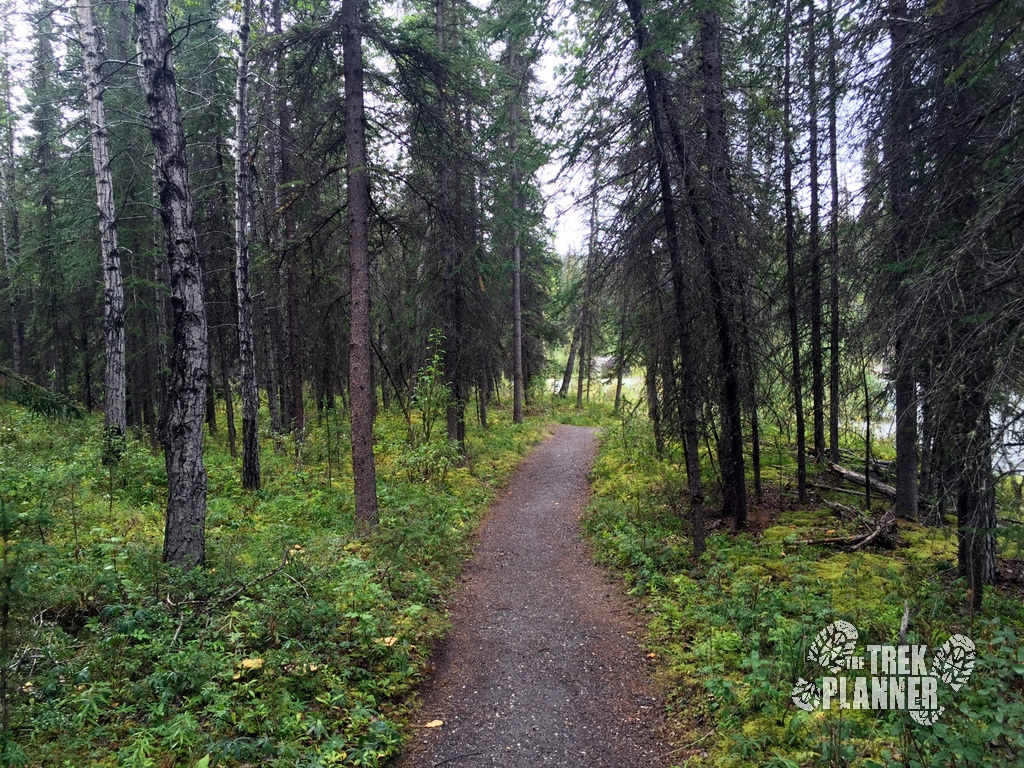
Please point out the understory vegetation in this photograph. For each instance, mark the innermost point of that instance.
(730, 633)
(299, 642)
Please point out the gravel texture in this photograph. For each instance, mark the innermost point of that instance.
(541, 667)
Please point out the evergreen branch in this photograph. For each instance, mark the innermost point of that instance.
(17, 389)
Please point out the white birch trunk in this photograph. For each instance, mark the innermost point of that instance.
(115, 379)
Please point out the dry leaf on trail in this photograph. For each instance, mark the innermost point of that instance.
(434, 724)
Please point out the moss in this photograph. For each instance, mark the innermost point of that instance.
(928, 543)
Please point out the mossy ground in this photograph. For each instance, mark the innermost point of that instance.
(298, 644)
(732, 630)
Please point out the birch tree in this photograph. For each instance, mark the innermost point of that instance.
(182, 417)
(115, 382)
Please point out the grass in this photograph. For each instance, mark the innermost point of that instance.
(301, 644)
(298, 645)
(733, 629)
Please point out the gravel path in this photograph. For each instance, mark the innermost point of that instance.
(541, 667)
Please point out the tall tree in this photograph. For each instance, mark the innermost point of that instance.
(46, 121)
(246, 345)
(833, 235)
(660, 136)
(518, 75)
(796, 382)
(115, 381)
(182, 418)
(716, 251)
(8, 206)
(360, 353)
(898, 129)
(817, 362)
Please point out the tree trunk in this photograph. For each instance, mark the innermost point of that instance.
(115, 378)
(668, 211)
(794, 331)
(867, 437)
(182, 419)
(833, 231)
(483, 395)
(897, 159)
(9, 219)
(273, 376)
(518, 393)
(574, 347)
(975, 500)
(583, 371)
(653, 402)
(584, 363)
(817, 364)
(620, 351)
(225, 385)
(246, 346)
(716, 242)
(7, 209)
(360, 328)
(297, 408)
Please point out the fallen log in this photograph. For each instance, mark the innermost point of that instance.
(835, 489)
(877, 486)
(885, 528)
(880, 464)
(884, 532)
(846, 512)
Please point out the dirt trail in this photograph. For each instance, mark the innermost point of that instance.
(539, 668)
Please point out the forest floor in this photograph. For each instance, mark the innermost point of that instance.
(542, 666)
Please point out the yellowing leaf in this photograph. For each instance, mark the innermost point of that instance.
(434, 724)
(252, 663)
(388, 641)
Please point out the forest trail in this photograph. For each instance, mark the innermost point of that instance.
(541, 667)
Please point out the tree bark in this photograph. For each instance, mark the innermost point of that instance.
(817, 363)
(668, 211)
(833, 231)
(360, 328)
(452, 232)
(518, 387)
(735, 501)
(246, 346)
(972, 357)
(897, 151)
(620, 350)
(9, 219)
(574, 346)
(975, 500)
(585, 353)
(225, 385)
(6, 209)
(794, 331)
(182, 419)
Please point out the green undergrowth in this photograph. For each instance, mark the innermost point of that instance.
(297, 645)
(732, 631)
